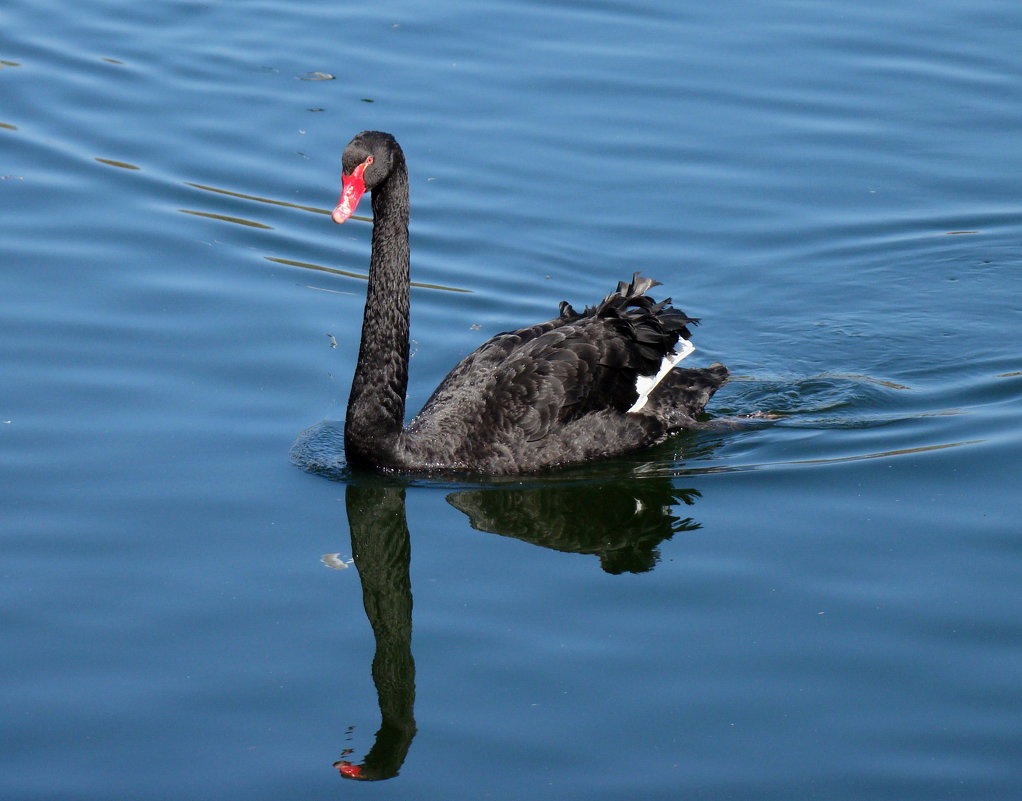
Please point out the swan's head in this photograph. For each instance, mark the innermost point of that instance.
(367, 162)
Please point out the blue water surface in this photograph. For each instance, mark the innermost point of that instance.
(823, 606)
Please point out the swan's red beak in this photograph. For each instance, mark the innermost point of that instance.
(347, 770)
(352, 188)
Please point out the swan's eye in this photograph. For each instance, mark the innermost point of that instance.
(369, 160)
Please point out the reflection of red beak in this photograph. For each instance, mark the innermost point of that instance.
(348, 771)
(352, 188)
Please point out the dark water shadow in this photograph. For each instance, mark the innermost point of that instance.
(621, 522)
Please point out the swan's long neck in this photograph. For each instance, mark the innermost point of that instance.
(376, 405)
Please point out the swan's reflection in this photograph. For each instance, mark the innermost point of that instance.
(382, 554)
(621, 522)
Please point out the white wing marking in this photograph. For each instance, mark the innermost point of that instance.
(644, 384)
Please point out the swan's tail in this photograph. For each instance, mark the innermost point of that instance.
(683, 393)
(660, 335)
(657, 337)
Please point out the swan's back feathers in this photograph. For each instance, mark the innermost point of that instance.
(522, 387)
(654, 327)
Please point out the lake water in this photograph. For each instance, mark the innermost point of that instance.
(823, 607)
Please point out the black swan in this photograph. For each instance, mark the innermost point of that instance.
(576, 388)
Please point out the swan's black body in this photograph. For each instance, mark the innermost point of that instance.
(555, 393)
